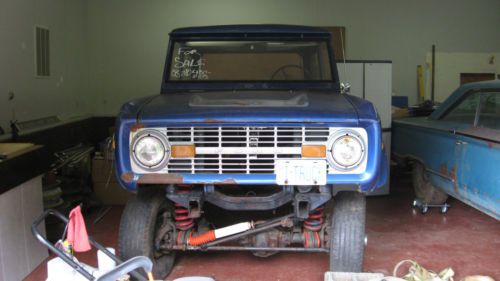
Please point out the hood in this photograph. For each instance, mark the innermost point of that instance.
(249, 106)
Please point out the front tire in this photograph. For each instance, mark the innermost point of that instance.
(347, 241)
(138, 227)
(424, 190)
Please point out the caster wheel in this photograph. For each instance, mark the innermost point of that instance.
(444, 209)
(424, 210)
(415, 203)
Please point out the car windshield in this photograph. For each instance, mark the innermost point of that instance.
(250, 61)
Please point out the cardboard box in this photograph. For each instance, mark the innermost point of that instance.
(398, 113)
(106, 187)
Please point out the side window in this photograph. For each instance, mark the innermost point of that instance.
(465, 111)
(489, 113)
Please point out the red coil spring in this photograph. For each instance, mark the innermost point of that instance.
(312, 240)
(182, 221)
(315, 220)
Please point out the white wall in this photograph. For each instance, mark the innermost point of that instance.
(128, 39)
(105, 52)
(65, 93)
(449, 65)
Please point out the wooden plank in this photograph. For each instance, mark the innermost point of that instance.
(338, 40)
(9, 150)
(23, 167)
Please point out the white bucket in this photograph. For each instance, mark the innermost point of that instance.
(195, 278)
(58, 270)
(104, 262)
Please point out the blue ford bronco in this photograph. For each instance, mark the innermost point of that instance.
(252, 145)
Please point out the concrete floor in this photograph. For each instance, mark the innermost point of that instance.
(464, 239)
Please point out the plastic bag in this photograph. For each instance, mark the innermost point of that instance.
(416, 272)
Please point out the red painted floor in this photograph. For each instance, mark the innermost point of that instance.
(464, 239)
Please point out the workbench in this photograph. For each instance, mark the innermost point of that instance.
(21, 202)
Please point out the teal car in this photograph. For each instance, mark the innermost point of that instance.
(456, 150)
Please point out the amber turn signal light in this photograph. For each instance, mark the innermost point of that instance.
(317, 151)
(183, 151)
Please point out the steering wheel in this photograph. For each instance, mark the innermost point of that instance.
(282, 70)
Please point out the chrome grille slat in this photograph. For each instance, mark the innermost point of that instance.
(240, 149)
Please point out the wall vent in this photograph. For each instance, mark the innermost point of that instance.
(42, 51)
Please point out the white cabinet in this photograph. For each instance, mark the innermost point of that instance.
(20, 252)
(372, 80)
(352, 73)
(378, 89)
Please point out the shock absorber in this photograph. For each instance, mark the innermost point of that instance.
(214, 234)
(312, 226)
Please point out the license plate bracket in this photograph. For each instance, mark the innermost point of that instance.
(301, 172)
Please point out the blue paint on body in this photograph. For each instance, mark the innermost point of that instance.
(326, 107)
(462, 159)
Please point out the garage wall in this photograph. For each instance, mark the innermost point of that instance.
(106, 52)
(128, 38)
(450, 65)
(64, 92)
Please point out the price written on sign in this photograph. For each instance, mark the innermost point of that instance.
(189, 64)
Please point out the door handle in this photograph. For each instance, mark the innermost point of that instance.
(459, 142)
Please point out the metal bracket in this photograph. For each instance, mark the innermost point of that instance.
(255, 203)
(192, 200)
(304, 203)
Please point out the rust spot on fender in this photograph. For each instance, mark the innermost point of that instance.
(492, 144)
(174, 179)
(451, 173)
(226, 181)
(443, 169)
(127, 177)
(212, 121)
(161, 179)
(136, 127)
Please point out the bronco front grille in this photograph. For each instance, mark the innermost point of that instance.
(247, 150)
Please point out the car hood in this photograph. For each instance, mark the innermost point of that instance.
(249, 106)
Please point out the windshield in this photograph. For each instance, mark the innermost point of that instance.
(250, 61)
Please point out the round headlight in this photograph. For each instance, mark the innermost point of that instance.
(347, 150)
(150, 149)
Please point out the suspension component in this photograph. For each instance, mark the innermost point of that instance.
(183, 236)
(315, 220)
(312, 239)
(312, 226)
(212, 235)
(182, 220)
(204, 238)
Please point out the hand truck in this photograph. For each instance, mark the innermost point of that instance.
(121, 269)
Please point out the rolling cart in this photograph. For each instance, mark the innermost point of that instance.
(424, 207)
(122, 268)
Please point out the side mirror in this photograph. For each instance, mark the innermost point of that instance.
(345, 88)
